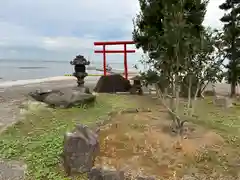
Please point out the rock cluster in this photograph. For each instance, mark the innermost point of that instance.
(81, 147)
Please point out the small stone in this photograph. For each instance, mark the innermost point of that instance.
(188, 177)
(145, 178)
(105, 174)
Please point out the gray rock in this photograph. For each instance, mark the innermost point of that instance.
(12, 170)
(189, 177)
(145, 178)
(64, 98)
(196, 176)
(80, 150)
(82, 89)
(105, 174)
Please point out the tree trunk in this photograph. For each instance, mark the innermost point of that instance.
(189, 92)
(165, 93)
(194, 99)
(202, 89)
(177, 100)
(172, 100)
(233, 89)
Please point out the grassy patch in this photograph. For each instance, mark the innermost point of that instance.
(225, 122)
(38, 139)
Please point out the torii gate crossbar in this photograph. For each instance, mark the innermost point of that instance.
(124, 51)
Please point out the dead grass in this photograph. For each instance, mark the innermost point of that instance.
(143, 143)
(225, 122)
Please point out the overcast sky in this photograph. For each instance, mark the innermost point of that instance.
(60, 29)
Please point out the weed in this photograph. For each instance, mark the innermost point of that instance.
(38, 138)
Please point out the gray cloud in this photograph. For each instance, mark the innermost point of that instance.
(62, 27)
(59, 29)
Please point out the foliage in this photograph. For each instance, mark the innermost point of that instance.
(177, 44)
(149, 25)
(231, 40)
(38, 139)
(165, 31)
(172, 35)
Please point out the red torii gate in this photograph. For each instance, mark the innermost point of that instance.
(104, 51)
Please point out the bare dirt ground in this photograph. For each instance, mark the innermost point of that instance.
(144, 143)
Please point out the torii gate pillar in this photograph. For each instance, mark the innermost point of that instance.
(104, 51)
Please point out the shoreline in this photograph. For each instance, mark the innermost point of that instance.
(88, 79)
(43, 74)
(6, 84)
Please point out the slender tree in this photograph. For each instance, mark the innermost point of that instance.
(149, 30)
(231, 29)
(164, 29)
(156, 30)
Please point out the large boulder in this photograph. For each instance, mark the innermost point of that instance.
(112, 84)
(64, 98)
(80, 150)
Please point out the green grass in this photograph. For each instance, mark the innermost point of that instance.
(225, 122)
(38, 138)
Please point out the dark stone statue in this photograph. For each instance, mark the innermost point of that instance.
(79, 63)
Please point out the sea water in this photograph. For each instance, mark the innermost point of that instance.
(12, 70)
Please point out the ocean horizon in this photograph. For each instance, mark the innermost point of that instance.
(12, 70)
